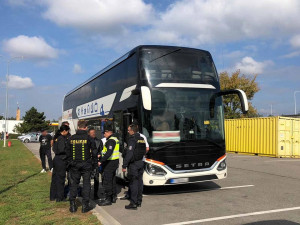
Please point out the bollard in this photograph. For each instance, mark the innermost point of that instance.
(9, 144)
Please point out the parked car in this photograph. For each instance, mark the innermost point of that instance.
(31, 137)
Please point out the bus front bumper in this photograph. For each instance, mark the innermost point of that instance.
(169, 177)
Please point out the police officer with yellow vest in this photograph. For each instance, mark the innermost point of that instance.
(110, 162)
(134, 162)
(82, 157)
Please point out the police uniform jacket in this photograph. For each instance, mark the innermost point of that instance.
(135, 151)
(110, 145)
(81, 148)
(60, 146)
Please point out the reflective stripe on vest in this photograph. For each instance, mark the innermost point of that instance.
(116, 154)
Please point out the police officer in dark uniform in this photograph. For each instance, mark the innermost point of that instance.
(82, 157)
(60, 146)
(58, 133)
(95, 173)
(110, 162)
(134, 162)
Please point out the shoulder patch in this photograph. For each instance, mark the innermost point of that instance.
(110, 147)
(130, 147)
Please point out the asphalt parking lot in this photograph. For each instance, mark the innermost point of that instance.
(258, 190)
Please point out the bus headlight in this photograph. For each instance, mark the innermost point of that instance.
(154, 170)
(222, 165)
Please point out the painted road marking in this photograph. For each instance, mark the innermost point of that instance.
(199, 190)
(235, 216)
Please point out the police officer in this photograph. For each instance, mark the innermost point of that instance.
(58, 133)
(134, 162)
(110, 162)
(59, 165)
(82, 156)
(95, 174)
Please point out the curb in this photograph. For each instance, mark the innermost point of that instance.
(104, 217)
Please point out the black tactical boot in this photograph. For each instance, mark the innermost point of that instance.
(131, 206)
(114, 199)
(106, 201)
(73, 206)
(139, 204)
(86, 208)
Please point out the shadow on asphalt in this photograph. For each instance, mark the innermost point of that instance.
(19, 182)
(180, 189)
(273, 222)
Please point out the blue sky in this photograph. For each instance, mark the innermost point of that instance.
(65, 42)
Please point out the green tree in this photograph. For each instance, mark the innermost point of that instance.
(33, 121)
(232, 103)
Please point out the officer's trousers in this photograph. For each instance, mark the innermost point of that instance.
(135, 175)
(43, 154)
(109, 177)
(78, 170)
(96, 184)
(58, 178)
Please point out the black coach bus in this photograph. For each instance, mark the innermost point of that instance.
(174, 94)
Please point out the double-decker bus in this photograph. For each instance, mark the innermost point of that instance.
(174, 94)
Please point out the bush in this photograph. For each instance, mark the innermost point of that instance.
(13, 136)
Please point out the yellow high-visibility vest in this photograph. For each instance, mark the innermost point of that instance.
(116, 153)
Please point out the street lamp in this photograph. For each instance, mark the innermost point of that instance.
(6, 104)
(295, 101)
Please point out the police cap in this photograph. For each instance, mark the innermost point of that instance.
(108, 126)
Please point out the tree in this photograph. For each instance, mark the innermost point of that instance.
(33, 121)
(232, 103)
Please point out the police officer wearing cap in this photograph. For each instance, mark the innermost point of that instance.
(82, 157)
(134, 162)
(110, 162)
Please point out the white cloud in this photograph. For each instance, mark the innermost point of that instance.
(295, 41)
(101, 16)
(249, 66)
(77, 69)
(30, 47)
(17, 82)
(201, 21)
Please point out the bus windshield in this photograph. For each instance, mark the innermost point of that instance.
(183, 115)
(175, 65)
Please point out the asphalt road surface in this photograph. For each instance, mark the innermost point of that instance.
(257, 191)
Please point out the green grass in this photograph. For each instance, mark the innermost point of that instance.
(24, 192)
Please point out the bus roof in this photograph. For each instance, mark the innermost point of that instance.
(124, 57)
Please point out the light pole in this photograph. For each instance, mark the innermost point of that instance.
(6, 104)
(295, 92)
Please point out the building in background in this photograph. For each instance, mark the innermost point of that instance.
(10, 125)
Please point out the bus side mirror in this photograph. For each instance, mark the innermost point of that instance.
(240, 93)
(146, 97)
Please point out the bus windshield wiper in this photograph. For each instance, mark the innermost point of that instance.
(165, 146)
(177, 50)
